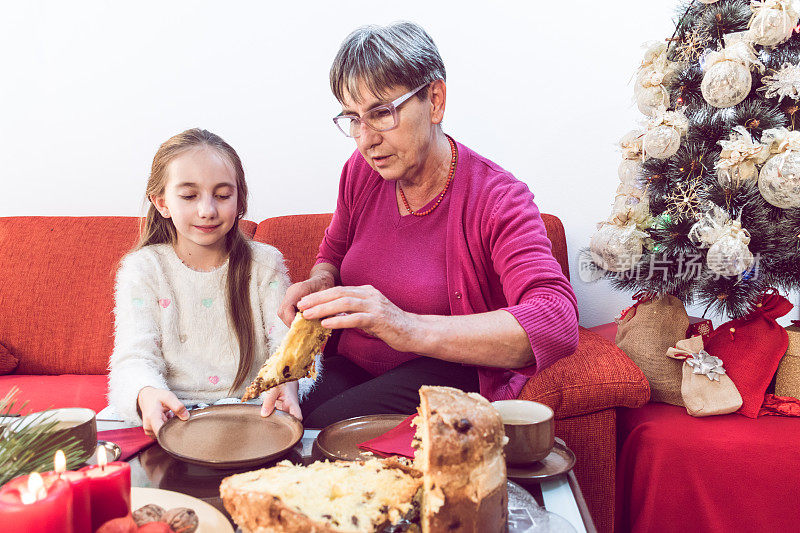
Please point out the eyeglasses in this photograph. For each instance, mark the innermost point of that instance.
(379, 118)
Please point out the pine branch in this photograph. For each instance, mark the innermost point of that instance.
(28, 443)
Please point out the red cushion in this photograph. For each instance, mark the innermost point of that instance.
(715, 474)
(8, 361)
(56, 299)
(66, 390)
(558, 240)
(57, 295)
(597, 376)
(751, 349)
(248, 227)
(297, 237)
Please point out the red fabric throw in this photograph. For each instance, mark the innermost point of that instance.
(396, 441)
(751, 348)
(727, 473)
(52, 392)
(130, 440)
(780, 406)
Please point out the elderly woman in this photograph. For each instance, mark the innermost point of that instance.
(436, 269)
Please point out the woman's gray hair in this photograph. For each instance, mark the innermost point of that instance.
(383, 57)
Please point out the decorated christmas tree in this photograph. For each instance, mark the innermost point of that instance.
(708, 208)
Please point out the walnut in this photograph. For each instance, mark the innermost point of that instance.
(181, 519)
(148, 513)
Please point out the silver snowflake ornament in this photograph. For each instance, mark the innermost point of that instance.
(784, 82)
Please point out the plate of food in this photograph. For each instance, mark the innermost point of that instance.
(230, 436)
(180, 511)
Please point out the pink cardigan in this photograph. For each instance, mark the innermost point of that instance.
(498, 257)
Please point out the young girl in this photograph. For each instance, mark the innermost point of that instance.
(196, 301)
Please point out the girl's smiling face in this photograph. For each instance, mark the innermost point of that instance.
(200, 196)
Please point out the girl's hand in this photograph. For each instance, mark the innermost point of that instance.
(157, 406)
(295, 292)
(367, 309)
(284, 398)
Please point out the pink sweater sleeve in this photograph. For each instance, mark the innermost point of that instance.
(540, 296)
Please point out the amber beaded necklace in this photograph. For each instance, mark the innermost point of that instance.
(453, 161)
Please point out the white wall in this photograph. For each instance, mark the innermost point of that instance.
(88, 90)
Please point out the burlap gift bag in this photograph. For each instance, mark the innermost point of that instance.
(787, 379)
(646, 331)
(705, 387)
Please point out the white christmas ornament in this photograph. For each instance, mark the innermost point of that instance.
(616, 248)
(655, 74)
(708, 1)
(631, 144)
(630, 168)
(738, 159)
(782, 83)
(779, 179)
(772, 21)
(629, 171)
(630, 205)
(726, 240)
(664, 131)
(650, 93)
(727, 79)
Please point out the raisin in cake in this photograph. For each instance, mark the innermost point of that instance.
(294, 358)
(324, 497)
(459, 441)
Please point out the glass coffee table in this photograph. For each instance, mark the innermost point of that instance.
(155, 468)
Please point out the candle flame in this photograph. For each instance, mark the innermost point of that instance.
(60, 462)
(102, 460)
(36, 488)
(26, 497)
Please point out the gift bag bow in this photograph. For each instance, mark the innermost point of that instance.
(703, 397)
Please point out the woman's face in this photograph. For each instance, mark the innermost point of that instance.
(401, 153)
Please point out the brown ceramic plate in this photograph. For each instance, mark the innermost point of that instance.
(340, 440)
(230, 436)
(559, 461)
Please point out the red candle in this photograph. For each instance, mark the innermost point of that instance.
(81, 496)
(110, 489)
(32, 503)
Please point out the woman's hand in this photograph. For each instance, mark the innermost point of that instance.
(318, 281)
(284, 398)
(157, 406)
(367, 309)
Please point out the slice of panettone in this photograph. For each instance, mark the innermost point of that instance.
(459, 441)
(324, 497)
(294, 358)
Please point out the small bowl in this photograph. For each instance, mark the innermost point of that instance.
(113, 452)
(530, 430)
(75, 422)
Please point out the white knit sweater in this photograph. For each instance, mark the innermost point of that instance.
(173, 330)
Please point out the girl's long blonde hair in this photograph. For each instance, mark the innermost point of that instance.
(159, 230)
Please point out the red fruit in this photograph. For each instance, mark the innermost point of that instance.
(155, 527)
(119, 525)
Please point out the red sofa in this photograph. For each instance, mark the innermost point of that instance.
(56, 317)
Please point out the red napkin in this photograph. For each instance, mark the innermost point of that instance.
(396, 441)
(130, 440)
